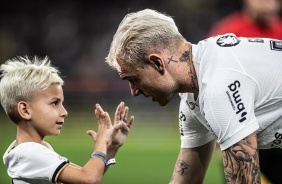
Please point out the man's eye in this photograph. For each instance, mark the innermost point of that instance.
(132, 81)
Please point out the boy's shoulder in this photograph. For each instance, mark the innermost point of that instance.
(32, 160)
(26, 151)
(29, 146)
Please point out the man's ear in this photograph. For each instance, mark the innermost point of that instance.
(24, 111)
(157, 62)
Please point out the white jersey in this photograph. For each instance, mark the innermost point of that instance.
(240, 92)
(32, 162)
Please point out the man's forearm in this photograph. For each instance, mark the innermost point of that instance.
(192, 164)
(241, 162)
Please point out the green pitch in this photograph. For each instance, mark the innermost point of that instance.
(148, 155)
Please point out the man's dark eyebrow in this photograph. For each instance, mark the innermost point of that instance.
(124, 78)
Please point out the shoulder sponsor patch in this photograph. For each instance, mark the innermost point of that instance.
(228, 41)
(256, 40)
(276, 45)
(236, 100)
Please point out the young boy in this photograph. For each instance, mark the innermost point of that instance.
(32, 96)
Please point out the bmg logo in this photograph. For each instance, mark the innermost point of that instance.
(233, 87)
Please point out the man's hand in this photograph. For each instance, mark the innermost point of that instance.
(121, 127)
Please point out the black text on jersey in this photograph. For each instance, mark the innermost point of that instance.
(239, 107)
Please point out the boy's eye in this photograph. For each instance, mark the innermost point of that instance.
(54, 103)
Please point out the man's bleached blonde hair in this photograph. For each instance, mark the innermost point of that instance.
(21, 78)
(140, 34)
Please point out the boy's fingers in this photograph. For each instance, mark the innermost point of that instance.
(98, 111)
(106, 116)
(92, 134)
(100, 114)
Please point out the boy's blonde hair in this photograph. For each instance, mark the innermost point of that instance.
(21, 78)
(141, 33)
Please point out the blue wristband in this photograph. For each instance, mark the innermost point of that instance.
(99, 154)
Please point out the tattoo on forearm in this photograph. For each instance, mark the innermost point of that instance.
(241, 162)
(181, 166)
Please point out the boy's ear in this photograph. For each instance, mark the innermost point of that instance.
(157, 62)
(23, 109)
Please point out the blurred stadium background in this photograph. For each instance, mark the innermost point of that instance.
(76, 35)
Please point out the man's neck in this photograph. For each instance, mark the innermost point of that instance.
(185, 72)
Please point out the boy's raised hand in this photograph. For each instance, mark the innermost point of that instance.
(105, 127)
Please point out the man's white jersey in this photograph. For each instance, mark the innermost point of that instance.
(240, 91)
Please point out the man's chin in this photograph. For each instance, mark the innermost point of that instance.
(163, 103)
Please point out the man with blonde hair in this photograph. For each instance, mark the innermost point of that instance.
(32, 96)
(230, 89)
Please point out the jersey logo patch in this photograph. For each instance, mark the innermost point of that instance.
(228, 41)
(256, 40)
(276, 45)
(192, 105)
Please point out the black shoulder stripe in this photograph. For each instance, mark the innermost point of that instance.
(58, 170)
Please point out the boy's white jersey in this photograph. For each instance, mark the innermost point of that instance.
(240, 92)
(32, 162)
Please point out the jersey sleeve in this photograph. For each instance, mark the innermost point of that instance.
(193, 132)
(35, 161)
(228, 105)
